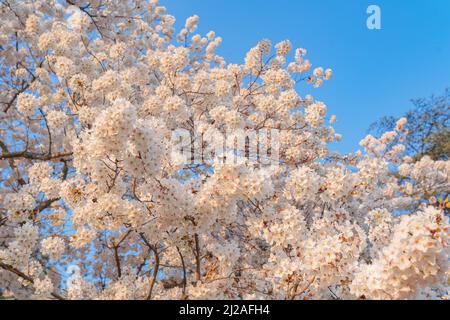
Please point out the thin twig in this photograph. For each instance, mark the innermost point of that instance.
(155, 269)
(184, 271)
(197, 258)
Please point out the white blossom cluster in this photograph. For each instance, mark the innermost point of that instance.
(89, 97)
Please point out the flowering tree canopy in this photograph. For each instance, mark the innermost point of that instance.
(428, 127)
(94, 203)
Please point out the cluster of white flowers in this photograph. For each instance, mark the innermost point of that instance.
(415, 258)
(90, 97)
(53, 247)
(27, 104)
(284, 48)
(19, 250)
(43, 287)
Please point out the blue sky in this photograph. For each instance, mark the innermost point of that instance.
(376, 72)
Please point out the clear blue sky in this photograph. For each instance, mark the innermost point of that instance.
(376, 72)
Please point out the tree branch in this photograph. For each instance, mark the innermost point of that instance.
(184, 271)
(34, 156)
(156, 268)
(26, 277)
(198, 273)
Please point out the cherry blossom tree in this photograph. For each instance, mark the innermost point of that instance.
(94, 204)
(428, 126)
